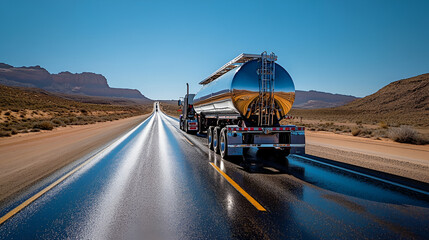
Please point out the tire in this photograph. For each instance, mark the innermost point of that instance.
(216, 138)
(210, 137)
(283, 153)
(280, 156)
(245, 150)
(223, 144)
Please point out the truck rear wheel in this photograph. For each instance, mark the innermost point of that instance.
(224, 144)
(216, 139)
(210, 137)
(280, 155)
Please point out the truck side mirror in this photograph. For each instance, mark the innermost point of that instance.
(179, 103)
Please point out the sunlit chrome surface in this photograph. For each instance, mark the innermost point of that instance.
(235, 91)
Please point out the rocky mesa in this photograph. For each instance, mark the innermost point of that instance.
(85, 83)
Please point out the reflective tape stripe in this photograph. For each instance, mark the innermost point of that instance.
(265, 145)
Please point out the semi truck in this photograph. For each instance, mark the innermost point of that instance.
(240, 106)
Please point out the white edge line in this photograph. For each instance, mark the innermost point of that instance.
(365, 175)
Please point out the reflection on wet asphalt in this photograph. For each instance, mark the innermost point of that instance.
(153, 184)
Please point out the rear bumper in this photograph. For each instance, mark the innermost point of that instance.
(266, 145)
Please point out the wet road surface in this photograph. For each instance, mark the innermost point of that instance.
(156, 182)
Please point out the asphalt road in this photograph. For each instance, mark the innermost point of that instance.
(156, 182)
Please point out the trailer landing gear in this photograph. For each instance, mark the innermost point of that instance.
(210, 137)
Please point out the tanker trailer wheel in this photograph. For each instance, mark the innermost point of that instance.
(224, 144)
(210, 137)
(216, 139)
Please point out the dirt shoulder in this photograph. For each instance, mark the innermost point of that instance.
(28, 158)
(405, 160)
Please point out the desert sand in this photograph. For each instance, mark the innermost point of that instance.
(405, 160)
(28, 158)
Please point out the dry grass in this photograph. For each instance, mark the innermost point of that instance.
(394, 118)
(44, 125)
(170, 108)
(406, 134)
(356, 131)
(383, 125)
(32, 110)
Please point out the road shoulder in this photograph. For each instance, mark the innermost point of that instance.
(404, 160)
(27, 159)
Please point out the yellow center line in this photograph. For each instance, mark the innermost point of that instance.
(188, 140)
(46, 189)
(240, 190)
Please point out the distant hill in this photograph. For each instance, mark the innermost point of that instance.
(403, 102)
(85, 83)
(34, 109)
(406, 95)
(314, 99)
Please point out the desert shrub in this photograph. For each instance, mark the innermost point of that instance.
(65, 120)
(7, 113)
(406, 134)
(84, 111)
(35, 130)
(5, 133)
(383, 125)
(356, 131)
(57, 122)
(380, 133)
(358, 122)
(14, 131)
(73, 119)
(45, 125)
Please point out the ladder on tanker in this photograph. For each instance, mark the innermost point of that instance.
(266, 74)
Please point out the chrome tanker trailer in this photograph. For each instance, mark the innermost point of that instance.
(241, 105)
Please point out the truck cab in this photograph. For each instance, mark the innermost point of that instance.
(188, 120)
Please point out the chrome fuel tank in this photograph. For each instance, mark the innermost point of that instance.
(235, 91)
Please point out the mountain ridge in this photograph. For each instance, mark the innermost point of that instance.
(85, 83)
(316, 99)
(409, 94)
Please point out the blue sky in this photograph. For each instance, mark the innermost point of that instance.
(347, 47)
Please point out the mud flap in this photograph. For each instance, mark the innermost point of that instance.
(297, 138)
(234, 138)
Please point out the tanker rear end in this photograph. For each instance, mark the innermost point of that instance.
(241, 106)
